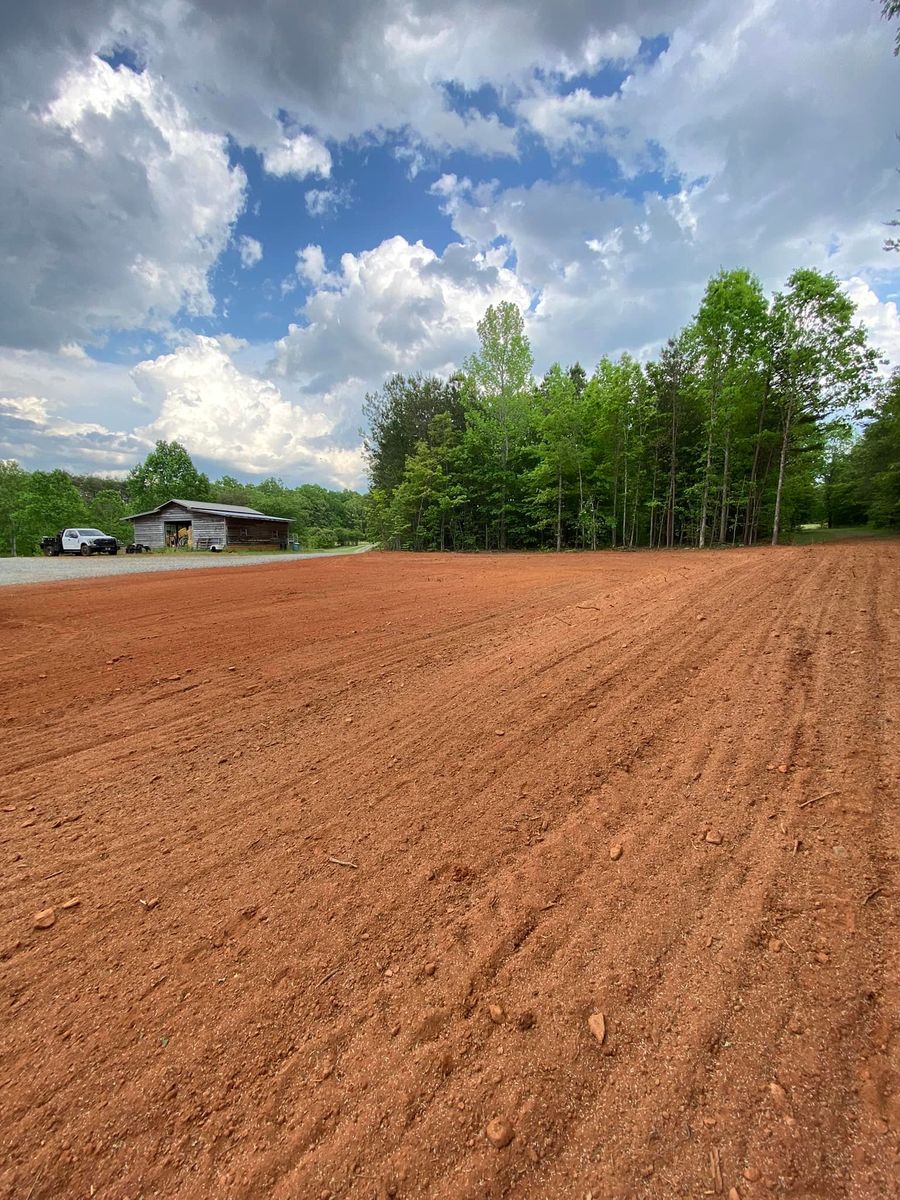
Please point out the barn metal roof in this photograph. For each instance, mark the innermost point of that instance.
(217, 510)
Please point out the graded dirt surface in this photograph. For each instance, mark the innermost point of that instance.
(657, 787)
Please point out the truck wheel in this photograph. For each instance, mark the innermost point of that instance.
(116, 551)
(86, 551)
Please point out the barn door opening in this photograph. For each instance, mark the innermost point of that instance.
(179, 533)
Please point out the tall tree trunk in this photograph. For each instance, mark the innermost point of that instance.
(723, 517)
(559, 511)
(670, 521)
(580, 504)
(785, 438)
(752, 489)
(505, 462)
(701, 538)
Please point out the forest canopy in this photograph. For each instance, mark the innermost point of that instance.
(744, 426)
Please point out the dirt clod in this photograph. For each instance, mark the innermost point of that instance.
(499, 1132)
(526, 1020)
(597, 1025)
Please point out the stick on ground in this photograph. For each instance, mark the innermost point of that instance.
(806, 803)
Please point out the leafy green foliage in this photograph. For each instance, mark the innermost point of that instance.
(166, 473)
(728, 436)
(47, 503)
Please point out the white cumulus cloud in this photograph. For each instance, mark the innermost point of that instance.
(243, 421)
(250, 250)
(300, 155)
(129, 207)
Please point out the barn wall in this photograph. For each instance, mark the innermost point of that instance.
(208, 531)
(174, 512)
(245, 531)
(149, 531)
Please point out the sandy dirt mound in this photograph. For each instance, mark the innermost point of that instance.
(314, 876)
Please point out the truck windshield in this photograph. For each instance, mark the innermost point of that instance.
(91, 533)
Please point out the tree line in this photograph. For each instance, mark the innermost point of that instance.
(740, 429)
(35, 503)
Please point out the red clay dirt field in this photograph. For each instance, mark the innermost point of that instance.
(456, 877)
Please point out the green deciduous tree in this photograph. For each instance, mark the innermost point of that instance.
(819, 361)
(48, 502)
(108, 511)
(167, 473)
(398, 418)
(12, 484)
(500, 404)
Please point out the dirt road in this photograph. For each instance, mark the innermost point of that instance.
(658, 787)
(15, 571)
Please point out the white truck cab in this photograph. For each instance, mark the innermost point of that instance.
(86, 541)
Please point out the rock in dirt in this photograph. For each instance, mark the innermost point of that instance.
(499, 1132)
(430, 968)
(734, 1194)
(615, 851)
(498, 1013)
(714, 839)
(597, 1026)
(751, 1174)
(73, 903)
(44, 919)
(778, 1094)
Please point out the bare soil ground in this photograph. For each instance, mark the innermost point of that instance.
(230, 1010)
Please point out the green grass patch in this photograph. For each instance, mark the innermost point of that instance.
(806, 537)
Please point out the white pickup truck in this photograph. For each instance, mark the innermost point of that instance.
(79, 541)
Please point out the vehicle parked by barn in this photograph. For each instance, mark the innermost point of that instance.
(79, 541)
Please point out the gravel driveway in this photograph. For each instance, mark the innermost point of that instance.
(50, 570)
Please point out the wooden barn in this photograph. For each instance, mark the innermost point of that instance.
(203, 526)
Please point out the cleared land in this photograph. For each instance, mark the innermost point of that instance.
(228, 1011)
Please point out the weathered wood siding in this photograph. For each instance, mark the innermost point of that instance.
(151, 531)
(209, 530)
(247, 531)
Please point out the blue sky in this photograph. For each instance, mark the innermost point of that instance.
(226, 231)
